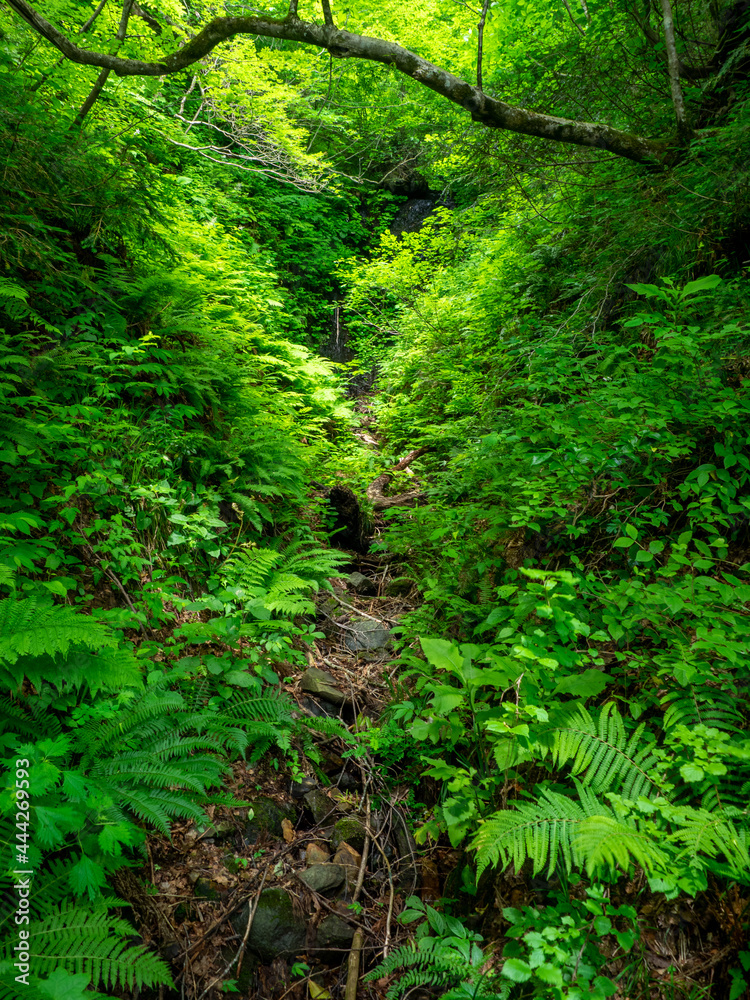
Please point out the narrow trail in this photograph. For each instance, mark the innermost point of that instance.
(296, 892)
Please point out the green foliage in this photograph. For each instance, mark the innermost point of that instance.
(444, 954)
(556, 951)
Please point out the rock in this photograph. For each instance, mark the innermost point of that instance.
(300, 788)
(276, 931)
(325, 878)
(321, 683)
(350, 831)
(347, 782)
(319, 709)
(367, 635)
(334, 933)
(316, 854)
(266, 818)
(319, 804)
(362, 584)
(398, 587)
(349, 858)
(204, 889)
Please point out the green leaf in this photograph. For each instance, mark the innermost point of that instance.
(584, 685)
(691, 772)
(550, 974)
(442, 654)
(64, 985)
(701, 285)
(517, 970)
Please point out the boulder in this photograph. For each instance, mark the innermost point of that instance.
(362, 584)
(319, 804)
(266, 818)
(276, 931)
(317, 854)
(399, 587)
(350, 831)
(335, 933)
(349, 858)
(321, 683)
(325, 878)
(367, 635)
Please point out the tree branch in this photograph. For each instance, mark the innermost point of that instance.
(344, 44)
(573, 21)
(327, 15)
(480, 42)
(98, 87)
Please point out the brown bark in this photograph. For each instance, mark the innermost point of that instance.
(380, 501)
(344, 44)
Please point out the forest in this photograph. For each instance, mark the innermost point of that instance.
(375, 505)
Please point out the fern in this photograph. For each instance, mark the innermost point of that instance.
(605, 843)
(599, 751)
(544, 831)
(449, 957)
(35, 628)
(89, 941)
(702, 703)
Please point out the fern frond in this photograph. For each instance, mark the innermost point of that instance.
(711, 834)
(542, 831)
(701, 704)
(89, 940)
(604, 842)
(33, 627)
(600, 753)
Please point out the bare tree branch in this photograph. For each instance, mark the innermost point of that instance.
(344, 44)
(327, 15)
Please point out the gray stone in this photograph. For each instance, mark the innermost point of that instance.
(362, 584)
(367, 635)
(320, 682)
(323, 878)
(399, 587)
(334, 933)
(276, 931)
(349, 831)
(319, 804)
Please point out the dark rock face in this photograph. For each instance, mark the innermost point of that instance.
(334, 933)
(410, 216)
(321, 683)
(319, 804)
(362, 584)
(349, 523)
(276, 931)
